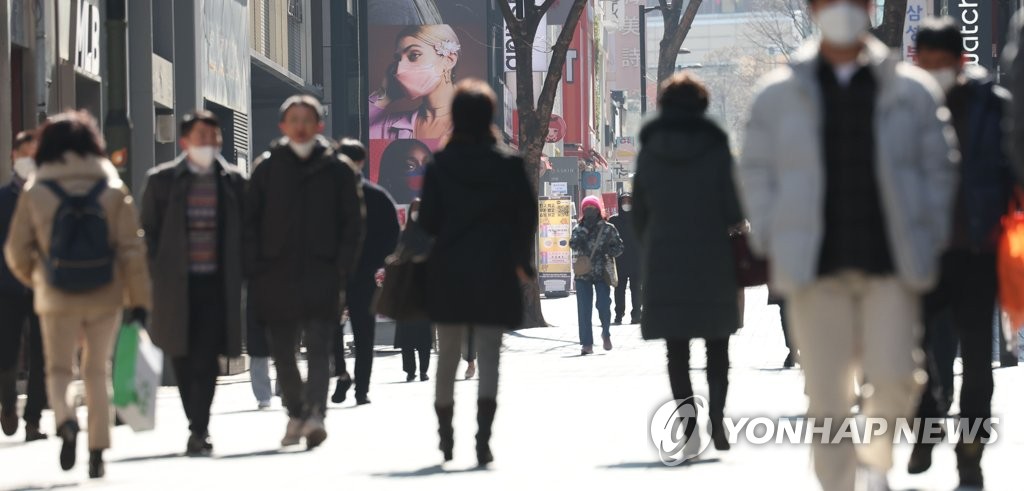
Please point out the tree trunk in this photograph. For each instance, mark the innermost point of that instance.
(677, 26)
(535, 113)
(890, 31)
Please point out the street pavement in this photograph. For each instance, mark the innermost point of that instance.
(564, 421)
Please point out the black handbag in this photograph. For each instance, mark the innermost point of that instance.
(750, 269)
(402, 296)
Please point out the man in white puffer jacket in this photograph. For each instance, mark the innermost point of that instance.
(847, 177)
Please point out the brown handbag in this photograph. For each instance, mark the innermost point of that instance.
(750, 269)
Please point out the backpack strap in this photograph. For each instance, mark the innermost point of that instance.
(59, 191)
(97, 190)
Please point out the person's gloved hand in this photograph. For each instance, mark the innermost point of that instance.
(136, 315)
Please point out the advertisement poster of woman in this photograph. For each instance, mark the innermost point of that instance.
(415, 68)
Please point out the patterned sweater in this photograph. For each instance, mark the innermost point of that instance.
(201, 216)
(584, 243)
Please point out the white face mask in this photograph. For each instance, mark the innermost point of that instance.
(627, 208)
(203, 157)
(414, 216)
(303, 150)
(946, 77)
(24, 167)
(843, 24)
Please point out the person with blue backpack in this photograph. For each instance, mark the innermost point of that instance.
(75, 240)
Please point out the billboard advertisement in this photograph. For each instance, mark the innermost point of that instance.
(555, 258)
(417, 53)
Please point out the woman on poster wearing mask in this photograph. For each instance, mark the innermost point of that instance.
(423, 71)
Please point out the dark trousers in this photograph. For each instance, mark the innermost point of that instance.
(409, 359)
(17, 319)
(636, 291)
(198, 370)
(364, 328)
(308, 399)
(469, 350)
(785, 327)
(961, 307)
(717, 371)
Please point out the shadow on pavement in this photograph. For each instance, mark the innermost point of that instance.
(259, 453)
(428, 471)
(44, 487)
(147, 458)
(655, 465)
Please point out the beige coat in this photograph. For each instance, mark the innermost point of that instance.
(30, 230)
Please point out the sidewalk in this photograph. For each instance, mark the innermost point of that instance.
(564, 421)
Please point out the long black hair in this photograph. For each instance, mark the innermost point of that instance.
(394, 169)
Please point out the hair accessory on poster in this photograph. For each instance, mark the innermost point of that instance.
(447, 48)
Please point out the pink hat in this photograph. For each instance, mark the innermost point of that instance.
(591, 201)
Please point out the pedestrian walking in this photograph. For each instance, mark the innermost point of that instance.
(628, 264)
(780, 301)
(598, 242)
(415, 338)
(381, 238)
(480, 207)
(968, 283)
(685, 205)
(1014, 71)
(17, 319)
(77, 193)
(469, 353)
(303, 227)
(852, 216)
(192, 215)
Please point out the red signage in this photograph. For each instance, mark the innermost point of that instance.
(556, 129)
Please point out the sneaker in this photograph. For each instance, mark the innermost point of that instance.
(607, 343)
(314, 432)
(587, 350)
(293, 432)
(261, 405)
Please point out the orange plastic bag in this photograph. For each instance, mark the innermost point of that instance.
(1011, 262)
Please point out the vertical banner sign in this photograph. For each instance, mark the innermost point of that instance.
(917, 11)
(540, 45)
(555, 258)
(977, 24)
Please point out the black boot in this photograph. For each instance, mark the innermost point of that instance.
(719, 435)
(32, 433)
(96, 467)
(920, 458)
(968, 463)
(8, 402)
(445, 430)
(485, 409)
(68, 432)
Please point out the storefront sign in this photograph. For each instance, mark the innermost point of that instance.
(87, 39)
(555, 258)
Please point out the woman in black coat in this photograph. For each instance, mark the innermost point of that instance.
(415, 336)
(480, 207)
(685, 203)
